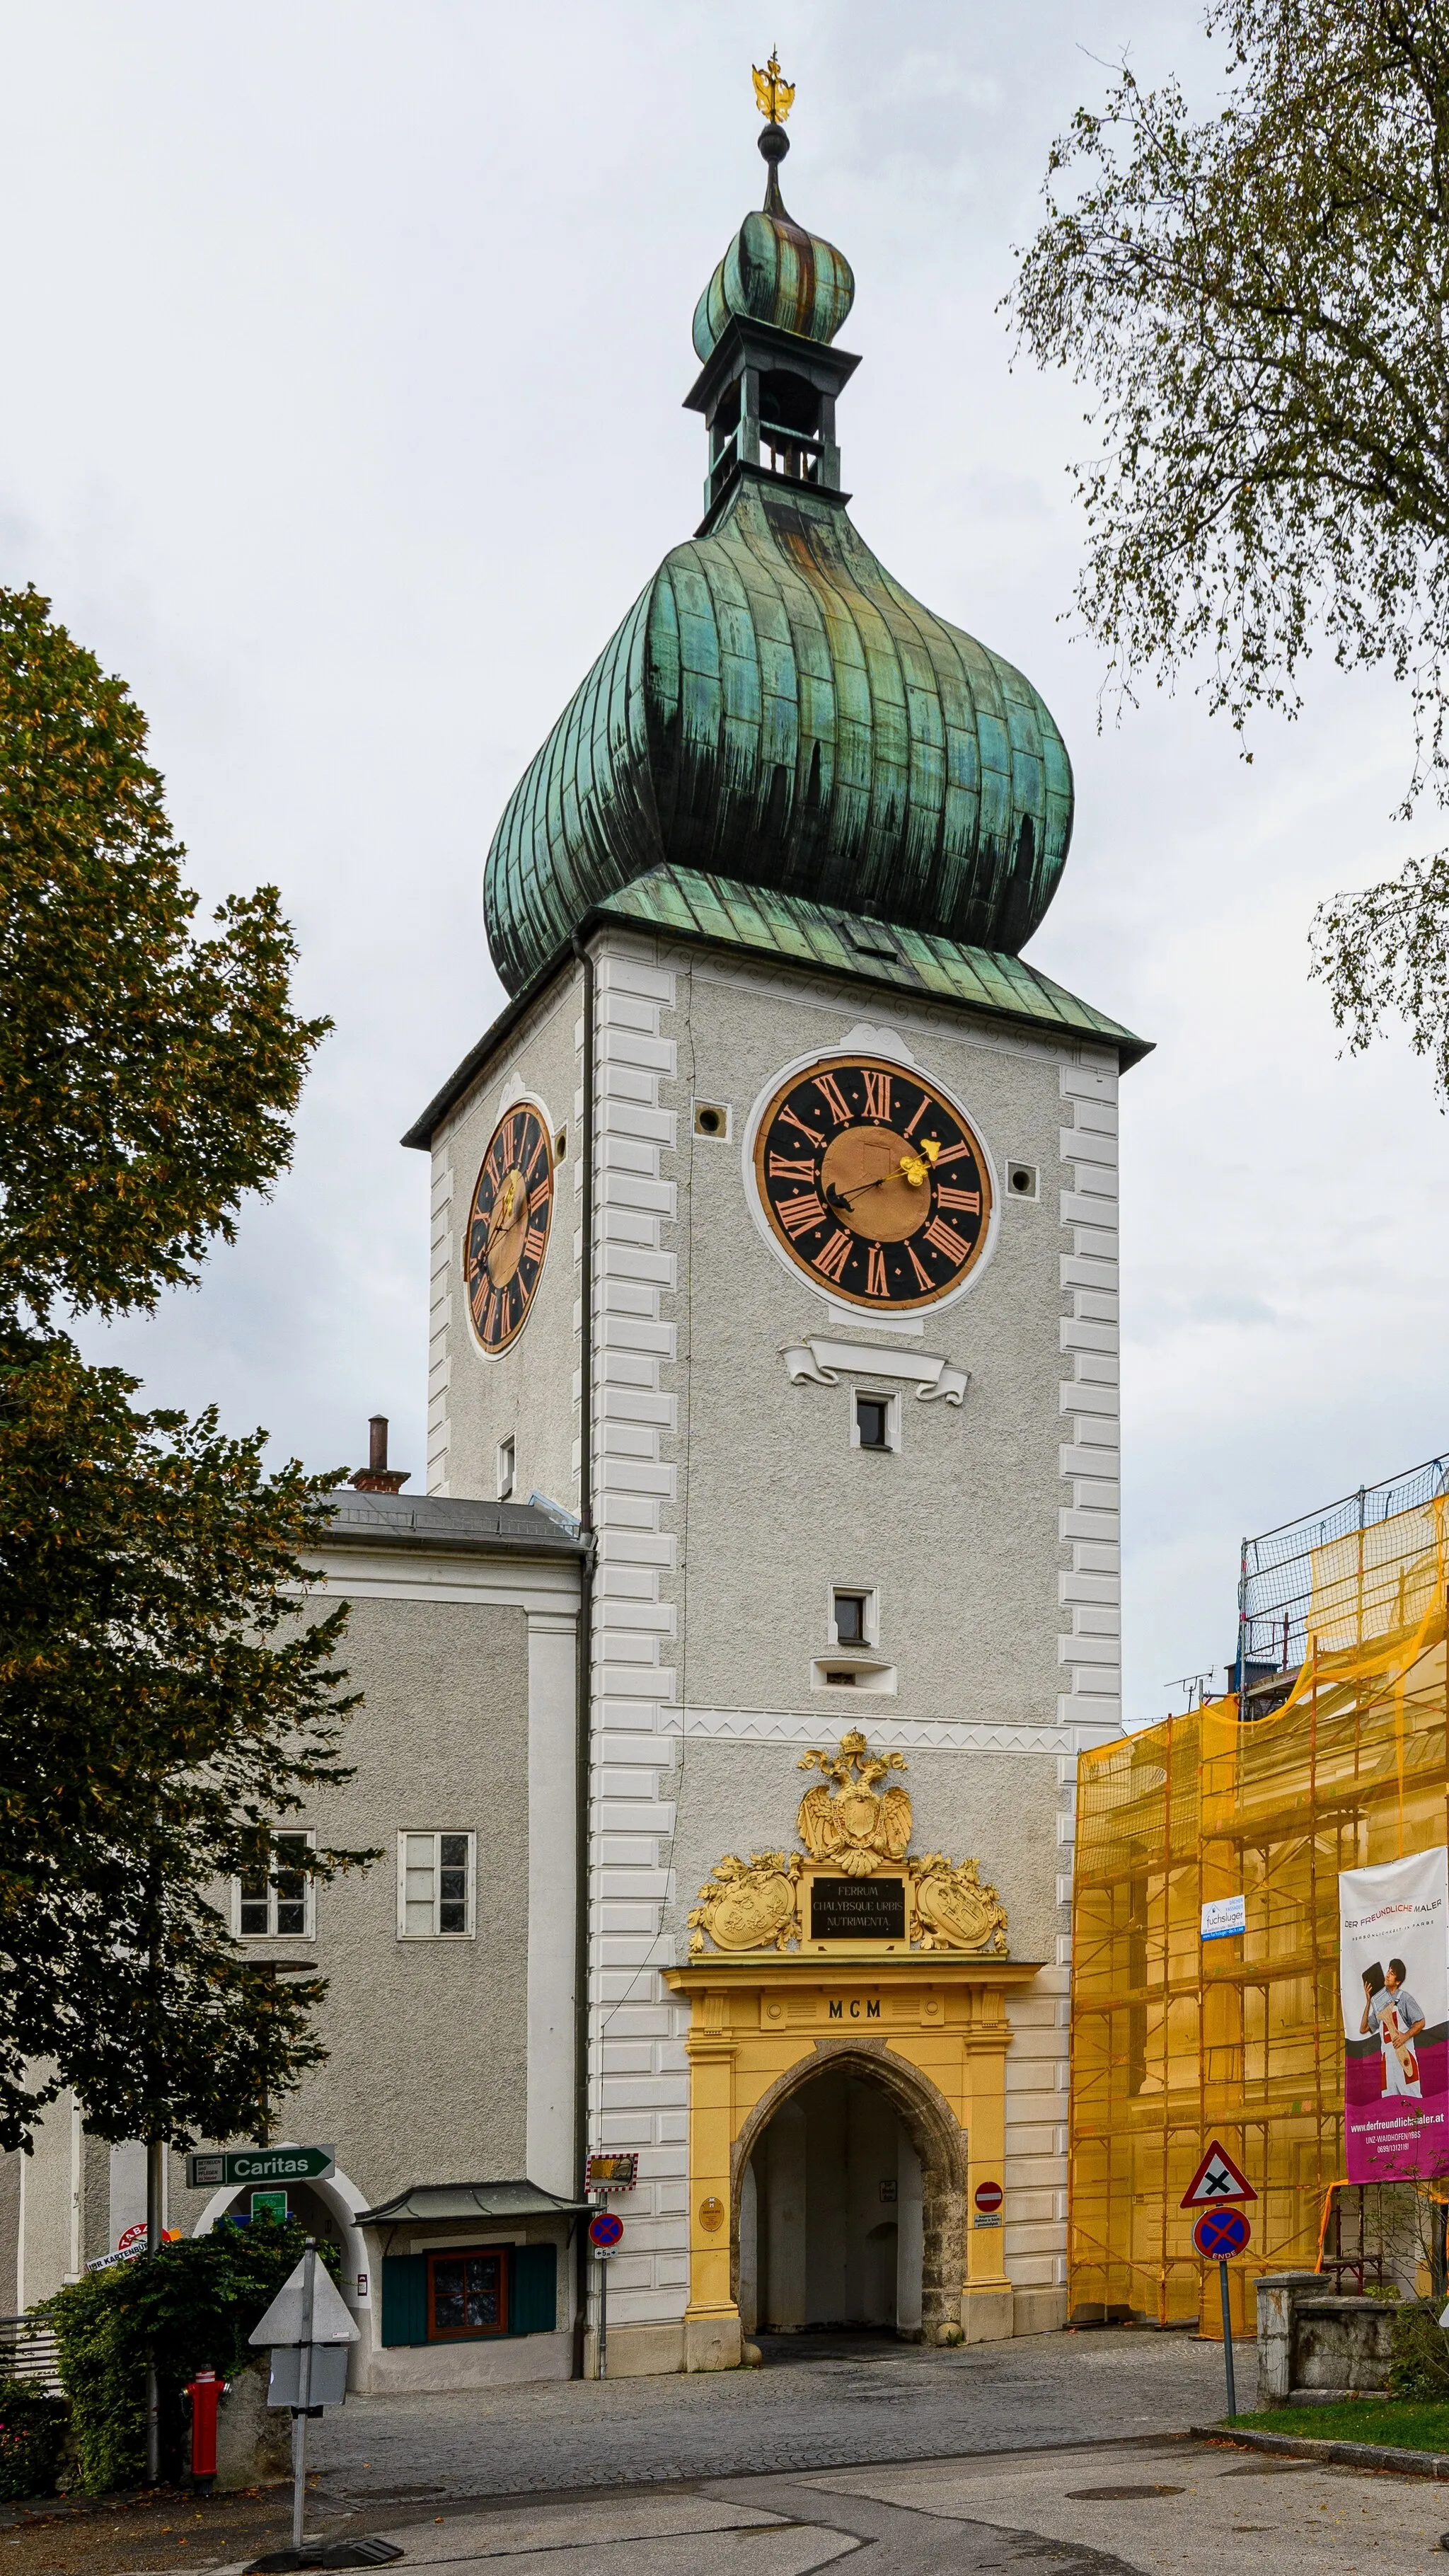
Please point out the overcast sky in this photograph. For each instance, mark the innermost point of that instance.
(345, 353)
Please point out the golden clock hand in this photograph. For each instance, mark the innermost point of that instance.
(916, 1165)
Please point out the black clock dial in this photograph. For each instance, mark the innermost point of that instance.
(508, 1225)
(873, 1184)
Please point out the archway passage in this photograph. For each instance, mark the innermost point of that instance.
(831, 2213)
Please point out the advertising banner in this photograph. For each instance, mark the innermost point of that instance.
(1393, 1932)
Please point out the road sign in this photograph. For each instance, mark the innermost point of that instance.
(213, 2171)
(1216, 2179)
(612, 2173)
(989, 2196)
(1221, 2233)
(605, 2227)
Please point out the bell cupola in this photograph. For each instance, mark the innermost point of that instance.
(762, 332)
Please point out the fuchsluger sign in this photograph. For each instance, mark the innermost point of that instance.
(1393, 1925)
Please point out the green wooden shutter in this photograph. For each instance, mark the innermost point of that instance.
(533, 2306)
(404, 2298)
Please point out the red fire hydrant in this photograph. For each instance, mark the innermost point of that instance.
(205, 2391)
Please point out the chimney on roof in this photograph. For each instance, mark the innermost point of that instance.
(377, 1477)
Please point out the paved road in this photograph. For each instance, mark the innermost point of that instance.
(829, 2405)
(1176, 2508)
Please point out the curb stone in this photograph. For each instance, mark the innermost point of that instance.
(1343, 2455)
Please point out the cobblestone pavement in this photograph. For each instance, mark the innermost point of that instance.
(832, 2407)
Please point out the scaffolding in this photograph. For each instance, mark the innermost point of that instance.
(1177, 2040)
(1277, 1572)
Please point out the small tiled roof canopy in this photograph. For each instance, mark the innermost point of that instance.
(455, 2200)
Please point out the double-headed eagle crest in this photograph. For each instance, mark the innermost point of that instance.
(854, 1823)
(774, 95)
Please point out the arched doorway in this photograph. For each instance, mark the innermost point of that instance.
(849, 2201)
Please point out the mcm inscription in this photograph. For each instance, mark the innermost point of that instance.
(857, 1909)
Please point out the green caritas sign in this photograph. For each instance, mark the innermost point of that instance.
(238, 2165)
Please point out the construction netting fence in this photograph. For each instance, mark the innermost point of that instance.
(1177, 2039)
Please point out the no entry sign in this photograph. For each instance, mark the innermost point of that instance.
(1221, 2233)
(989, 2196)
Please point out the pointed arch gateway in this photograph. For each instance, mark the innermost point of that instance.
(937, 2136)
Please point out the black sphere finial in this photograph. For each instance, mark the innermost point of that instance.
(774, 143)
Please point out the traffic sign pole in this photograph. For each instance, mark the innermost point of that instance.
(603, 2314)
(304, 2391)
(605, 2230)
(1228, 2338)
(1219, 2234)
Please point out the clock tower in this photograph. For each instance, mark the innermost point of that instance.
(775, 1244)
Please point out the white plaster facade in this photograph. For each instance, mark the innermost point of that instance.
(728, 1500)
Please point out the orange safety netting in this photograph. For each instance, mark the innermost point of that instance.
(1176, 2040)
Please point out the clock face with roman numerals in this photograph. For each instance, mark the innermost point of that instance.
(508, 1226)
(872, 1183)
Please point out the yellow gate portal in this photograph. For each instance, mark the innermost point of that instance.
(859, 1955)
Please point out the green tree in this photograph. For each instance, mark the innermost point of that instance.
(162, 1706)
(1258, 298)
(163, 1702)
(147, 1078)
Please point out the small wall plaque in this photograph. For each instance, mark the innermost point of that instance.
(857, 1909)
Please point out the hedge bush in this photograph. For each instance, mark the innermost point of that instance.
(193, 2304)
(1420, 2366)
(32, 2439)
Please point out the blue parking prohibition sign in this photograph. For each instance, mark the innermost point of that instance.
(1221, 2233)
(607, 2228)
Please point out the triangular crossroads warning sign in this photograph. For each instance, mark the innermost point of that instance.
(1217, 2178)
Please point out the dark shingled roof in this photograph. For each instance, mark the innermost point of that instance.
(436, 1522)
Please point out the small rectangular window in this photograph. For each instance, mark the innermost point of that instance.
(850, 1619)
(505, 1469)
(278, 1899)
(873, 1421)
(435, 1886)
(467, 2295)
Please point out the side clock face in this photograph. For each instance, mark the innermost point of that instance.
(873, 1184)
(508, 1226)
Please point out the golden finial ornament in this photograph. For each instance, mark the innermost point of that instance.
(774, 95)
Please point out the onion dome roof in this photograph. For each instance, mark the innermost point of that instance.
(775, 271)
(776, 710)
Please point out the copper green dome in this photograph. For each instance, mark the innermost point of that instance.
(776, 709)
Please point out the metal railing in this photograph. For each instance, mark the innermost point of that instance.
(1275, 1584)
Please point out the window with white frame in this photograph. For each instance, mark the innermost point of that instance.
(435, 1886)
(507, 1456)
(278, 1899)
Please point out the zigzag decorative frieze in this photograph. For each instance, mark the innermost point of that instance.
(762, 1726)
